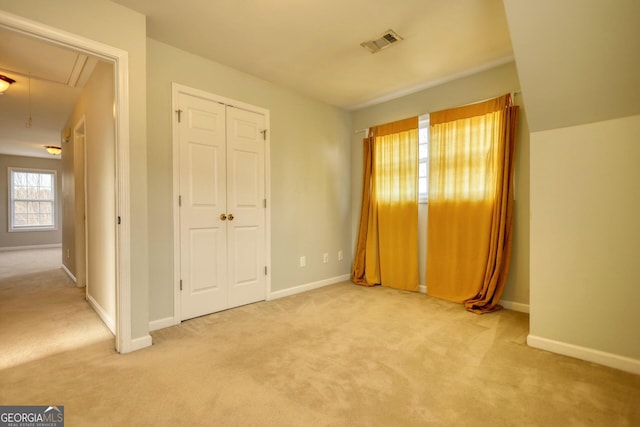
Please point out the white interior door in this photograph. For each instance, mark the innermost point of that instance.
(222, 208)
(245, 206)
(203, 237)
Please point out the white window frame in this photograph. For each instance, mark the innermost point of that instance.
(423, 141)
(11, 223)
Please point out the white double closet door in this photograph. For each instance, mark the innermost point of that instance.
(222, 208)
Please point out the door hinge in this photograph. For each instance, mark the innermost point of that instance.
(264, 134)
(119, 220)
(179, 115)
(265, 270)
(265, 203)
(179, 201)
(180, 284)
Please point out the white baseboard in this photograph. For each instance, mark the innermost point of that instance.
(154, 325)
(140, 343)
(515, 306)
(590, 355)
(509, 305)
(71, 276)
(309, 286)
(102, 314)
(23, 248)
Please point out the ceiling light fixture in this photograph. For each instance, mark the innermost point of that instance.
(5, 82)
(52, 149)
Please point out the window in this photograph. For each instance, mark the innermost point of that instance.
(423, 158)
(32, 199)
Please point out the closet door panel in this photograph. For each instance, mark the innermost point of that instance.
(203, 234)
(245, 202)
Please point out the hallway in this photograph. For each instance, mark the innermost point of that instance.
(42, 312)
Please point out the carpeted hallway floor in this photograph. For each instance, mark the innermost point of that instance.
(42, 312)
(342, 355)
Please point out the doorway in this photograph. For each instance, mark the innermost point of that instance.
(121, 238)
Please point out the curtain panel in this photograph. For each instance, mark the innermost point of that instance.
(470, 222)
(387, 248)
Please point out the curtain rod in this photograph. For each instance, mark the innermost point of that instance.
(513, 94)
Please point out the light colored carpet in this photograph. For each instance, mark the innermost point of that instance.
(42, 312)
(19, 263)
(342, 355)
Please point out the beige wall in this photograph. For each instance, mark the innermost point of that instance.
(95, 108)
(310, 177)
(28, 238)
(484, 85)
(116, 26)
(585, 245)
(579, 70)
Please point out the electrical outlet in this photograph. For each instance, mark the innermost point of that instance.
(303, 261)
(340, 255)
(325, 257)
(68, 253)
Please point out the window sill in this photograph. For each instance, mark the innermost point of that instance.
(20, 230)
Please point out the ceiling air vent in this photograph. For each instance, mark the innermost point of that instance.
(387, 39)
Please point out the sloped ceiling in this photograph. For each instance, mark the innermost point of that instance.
(578, 60)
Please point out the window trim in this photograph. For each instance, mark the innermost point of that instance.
(10, 205)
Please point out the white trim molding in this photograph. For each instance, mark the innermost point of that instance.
(432, 83)
(120, 60)
(69, 273)
(154, 325)
(175, 206)
(24, 248)
(102, 313)
(140, 343)
(584, 353)
(56, 201)
(509, 305)
(515, 306)
(307, 287)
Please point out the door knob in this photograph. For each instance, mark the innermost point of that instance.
(230, 217)
(223, 217)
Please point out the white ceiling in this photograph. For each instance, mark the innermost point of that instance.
(57, 77)
(313, 47)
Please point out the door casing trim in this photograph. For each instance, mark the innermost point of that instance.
(120, 60)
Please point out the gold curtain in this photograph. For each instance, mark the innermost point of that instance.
(470, 222)
(387, 249)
